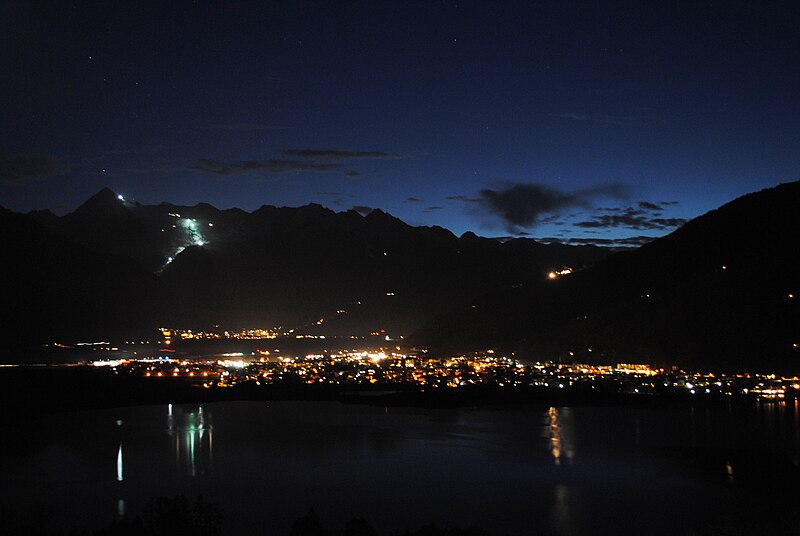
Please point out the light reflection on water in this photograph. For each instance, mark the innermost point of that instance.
(562, 470)
(796, 457)
(559, 431)
(555, 435)
(564, 518)
(193, 437)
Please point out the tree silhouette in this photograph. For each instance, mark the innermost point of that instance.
(178, 517)
(308, 525)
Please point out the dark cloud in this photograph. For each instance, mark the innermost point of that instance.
(334, 197)
(621, 120)
(431, 209)
(363, 210)
(246, 127)
(655, 206)
(301, 160)
(517, 235)
(552, 218)
(224, 169)
(635, 240)
(19, 168)
(463, 198)
(627, 242)
(332, 154)
(575, 116)
(646, 217)
(647, 205)
(669, 222)
(521, 205)
(414, 200)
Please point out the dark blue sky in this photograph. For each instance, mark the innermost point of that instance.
(599, 121)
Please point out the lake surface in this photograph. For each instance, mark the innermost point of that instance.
(521, 470)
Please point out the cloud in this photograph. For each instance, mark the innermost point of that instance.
(521, 205)
(621, 120)
(647, 205)
(362, 209)
(245, 127)
(431, 209)
(655, 206)
(414, 200)
(626, 242)
(332, 154)
(20, 168)
(300, 160)
(463, 198)
(668, 222)
(224, 169)
(576, 117)
(635, 240)
(334, 197)
(646, 217)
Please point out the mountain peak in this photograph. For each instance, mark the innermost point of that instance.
(377, 214)
(105, 202)
(105, 193)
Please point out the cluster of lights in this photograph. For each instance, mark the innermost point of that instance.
(192, 234)
(394, 367)
(558, 273)
(244, 334)
(192, 229)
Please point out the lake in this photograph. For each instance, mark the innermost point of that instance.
(726, 469)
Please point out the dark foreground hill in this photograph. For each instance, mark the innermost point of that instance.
(722, 292)
(54, 289)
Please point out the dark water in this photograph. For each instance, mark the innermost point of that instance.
(532, 470)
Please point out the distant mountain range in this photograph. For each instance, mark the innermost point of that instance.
(117, 267)
(721, 292)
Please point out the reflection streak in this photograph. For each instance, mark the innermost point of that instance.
(192, 436)
(119, 464)
(555, 435)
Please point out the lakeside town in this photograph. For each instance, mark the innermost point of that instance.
(384, 366)
(367, 369)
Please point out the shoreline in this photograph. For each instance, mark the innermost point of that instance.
(46, 390)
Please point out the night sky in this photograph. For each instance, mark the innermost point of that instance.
(601, 122)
